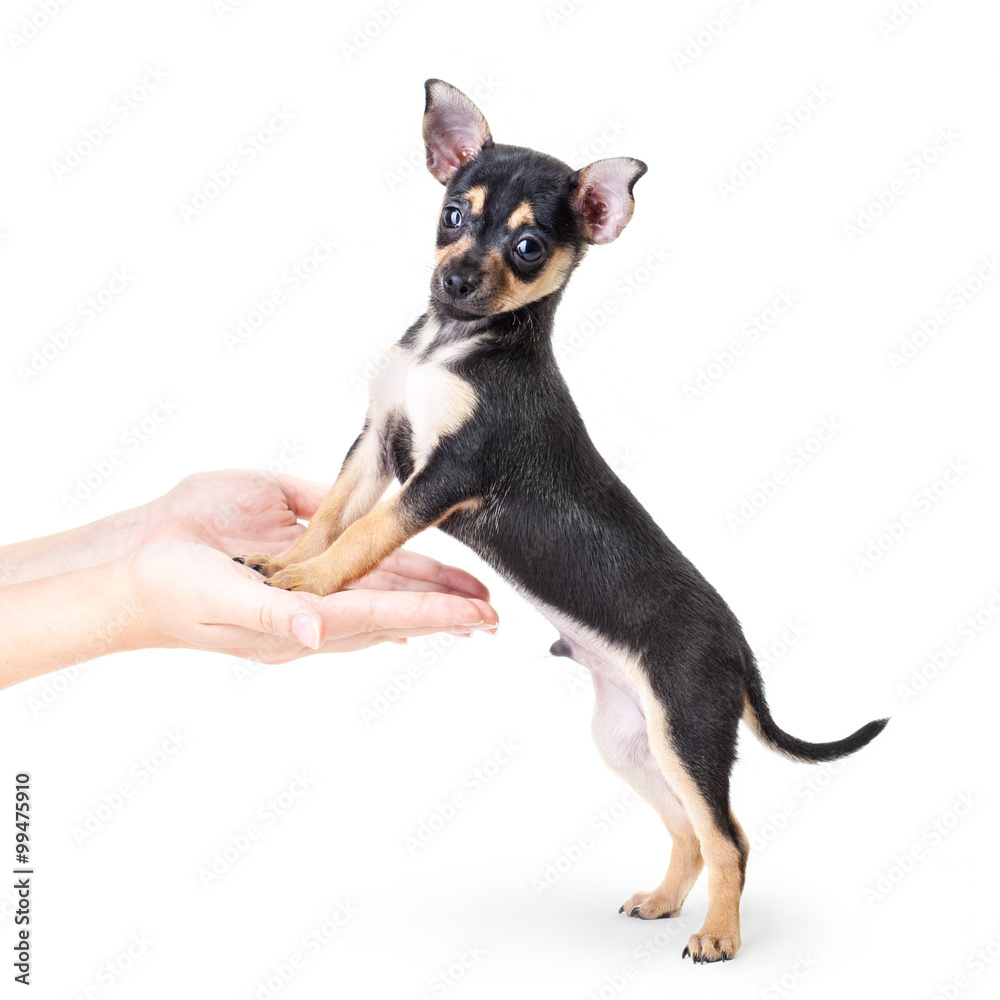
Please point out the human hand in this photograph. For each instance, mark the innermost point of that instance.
(186, 594)
(236, 510)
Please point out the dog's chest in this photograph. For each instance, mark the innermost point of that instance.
(418, 398)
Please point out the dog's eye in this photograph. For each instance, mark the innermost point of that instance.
(529, 249)
(452, 218)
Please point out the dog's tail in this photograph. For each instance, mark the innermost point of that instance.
(758, 716)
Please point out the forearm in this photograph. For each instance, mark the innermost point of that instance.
(60, 620)
(88, 545)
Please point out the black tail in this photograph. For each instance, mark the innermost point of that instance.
(758, 717)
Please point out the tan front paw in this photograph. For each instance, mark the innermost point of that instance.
(302, 576)
(709, 946)
(651, 906)
(265, 565)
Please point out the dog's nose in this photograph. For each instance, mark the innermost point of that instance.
(460, 285)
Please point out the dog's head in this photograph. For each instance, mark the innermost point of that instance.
(514, 222)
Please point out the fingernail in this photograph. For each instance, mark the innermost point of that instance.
(305, 629)
(478, 624)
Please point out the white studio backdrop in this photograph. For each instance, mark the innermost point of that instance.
(789, 356)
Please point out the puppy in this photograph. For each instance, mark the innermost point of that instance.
(474, 419)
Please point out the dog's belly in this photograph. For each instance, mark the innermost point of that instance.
(608, 662)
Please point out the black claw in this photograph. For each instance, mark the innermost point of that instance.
(621, 909)
(267, 583)
(704, 959)
(257, 566)
(685, 952)
(725, 956)
(239, 559)
(635, 910)
(663, 916)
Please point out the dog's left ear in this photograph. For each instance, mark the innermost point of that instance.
(455, 130)
(602, 196)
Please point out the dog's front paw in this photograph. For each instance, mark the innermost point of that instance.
(650, 906)
(709, 946)
(302, 576)
(265, 565)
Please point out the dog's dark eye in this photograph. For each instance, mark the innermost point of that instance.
(452, 218)
(529, 249)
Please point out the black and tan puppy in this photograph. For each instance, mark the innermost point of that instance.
(474, 419)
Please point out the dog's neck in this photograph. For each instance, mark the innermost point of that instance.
(531, 324)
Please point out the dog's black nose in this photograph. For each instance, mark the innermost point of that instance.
(460, 285)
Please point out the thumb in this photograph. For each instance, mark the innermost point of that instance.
(271, 611)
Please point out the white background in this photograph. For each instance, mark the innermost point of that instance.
(600, 79)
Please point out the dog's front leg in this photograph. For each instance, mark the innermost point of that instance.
(424, 500)
(361, 482)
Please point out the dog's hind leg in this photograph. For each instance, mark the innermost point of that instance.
(619, 729)
(695, 752)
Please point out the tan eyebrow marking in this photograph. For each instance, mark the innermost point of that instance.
(476, 197)
(523, 215)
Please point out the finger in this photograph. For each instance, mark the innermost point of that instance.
(247, 603)
(383, 580)
(303, 495)
(352, 612)
(420, 567)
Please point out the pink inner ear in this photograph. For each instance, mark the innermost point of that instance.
(605, 208)
(603, 198)
(454, 131)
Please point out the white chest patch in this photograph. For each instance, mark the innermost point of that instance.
(418, 384)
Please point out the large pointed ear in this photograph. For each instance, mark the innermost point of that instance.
(455, 130)
(602, 195)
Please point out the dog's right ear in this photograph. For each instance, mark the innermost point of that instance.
(455, 130)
